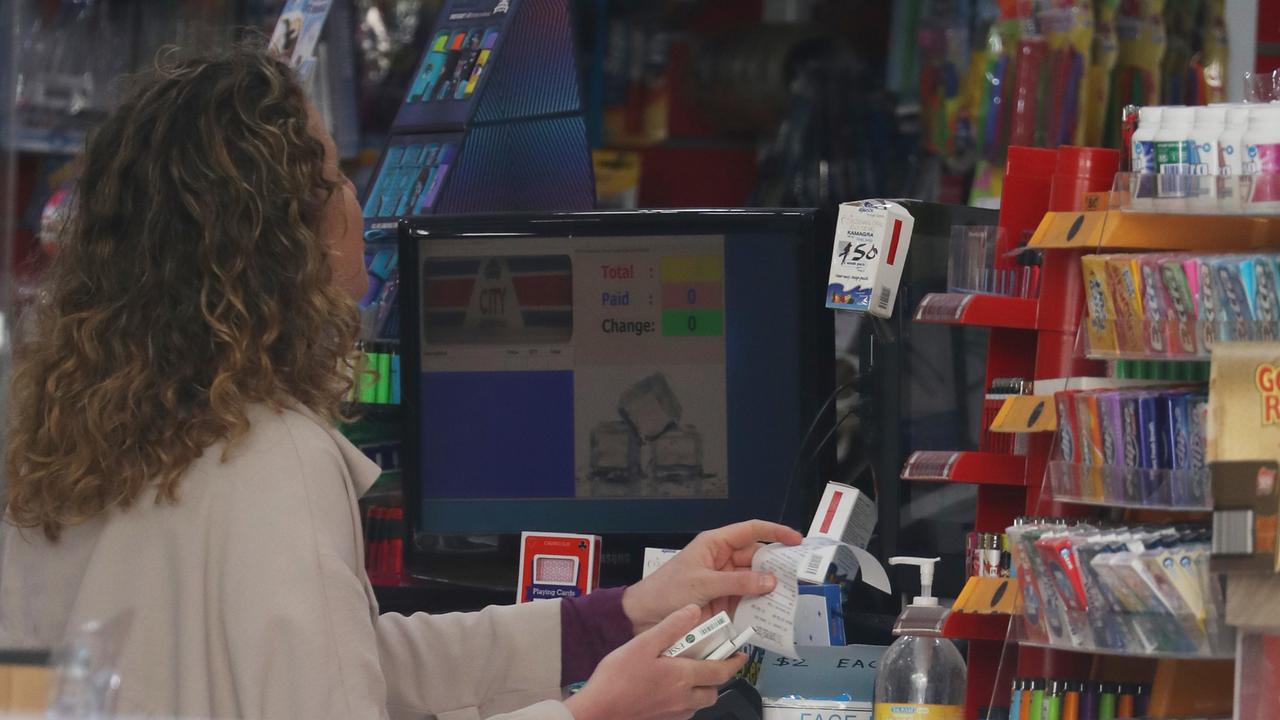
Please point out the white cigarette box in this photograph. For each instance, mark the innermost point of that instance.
(870, 248)
(845, 515)
(704, 639)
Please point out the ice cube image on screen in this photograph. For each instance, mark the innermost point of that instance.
(648, 447)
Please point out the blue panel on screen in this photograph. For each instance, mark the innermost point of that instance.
(498, 435)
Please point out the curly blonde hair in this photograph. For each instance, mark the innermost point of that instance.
(190, 284)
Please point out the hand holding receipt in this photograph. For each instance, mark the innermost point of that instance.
(773, 616)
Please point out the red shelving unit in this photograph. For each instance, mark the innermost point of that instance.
(993, 311)
(1032, 339)
(969, 626)
(978, 468)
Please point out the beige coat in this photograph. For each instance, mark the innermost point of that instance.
(250, 599)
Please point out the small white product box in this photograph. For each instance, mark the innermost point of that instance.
(870, 249)
(845, 515)
(704, 639)
(655, 558)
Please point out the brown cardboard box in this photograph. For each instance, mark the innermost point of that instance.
(25, 681)
(1242, 451)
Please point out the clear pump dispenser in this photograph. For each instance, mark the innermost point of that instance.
(922, 674)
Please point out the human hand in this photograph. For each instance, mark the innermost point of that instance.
(637, 682)
(712, 572)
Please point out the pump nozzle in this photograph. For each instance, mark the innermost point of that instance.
(925, 598)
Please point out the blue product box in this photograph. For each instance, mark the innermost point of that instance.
(835, 612)
(1180, 444)
(1132, 447)
(1153, 443)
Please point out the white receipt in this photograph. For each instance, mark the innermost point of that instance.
(774, 615)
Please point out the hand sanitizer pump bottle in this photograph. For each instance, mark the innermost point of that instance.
(922, 674)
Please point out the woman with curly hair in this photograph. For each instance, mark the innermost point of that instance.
(172, 450)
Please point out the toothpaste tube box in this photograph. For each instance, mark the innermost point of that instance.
(847, 515)
(870, 249)
(557, 565)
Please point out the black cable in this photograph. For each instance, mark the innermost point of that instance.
(793, 477)
(826, 439)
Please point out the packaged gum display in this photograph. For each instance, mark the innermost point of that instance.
(1231, 299)
(1126, 297)
(1266, 299)
(1180, 302)
(1131, 435)
(1234, 278)
(1156, 320)
(1068, 441)
(1198, 416)
(1089, 440)
(1200, 277)
(1180, 443)
(1111, 432)
(1150, 440)
(1101, 311)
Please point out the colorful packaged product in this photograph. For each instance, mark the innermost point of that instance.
(1126, 297)
(1101, 310)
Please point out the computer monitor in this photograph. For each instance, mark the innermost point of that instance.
(610, 372)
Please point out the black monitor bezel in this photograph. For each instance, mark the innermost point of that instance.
(810, 228)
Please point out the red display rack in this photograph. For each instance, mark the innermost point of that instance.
(1032, 339)
(994, 311)
(971, 627)
(978, 468)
